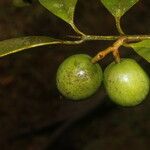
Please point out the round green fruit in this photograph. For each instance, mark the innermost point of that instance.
(126, 82)
(77, 78)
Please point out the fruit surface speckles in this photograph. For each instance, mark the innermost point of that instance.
(77, 78)
(126, 82)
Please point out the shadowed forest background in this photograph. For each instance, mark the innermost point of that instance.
(33, 114)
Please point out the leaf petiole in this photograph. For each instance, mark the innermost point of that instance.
(118, 26)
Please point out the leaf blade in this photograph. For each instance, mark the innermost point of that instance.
(63, 9)
(142, 48)
(18, 44)
(118, 7)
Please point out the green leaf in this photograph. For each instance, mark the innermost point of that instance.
(64, 9)
(118, 7)
(18, 44)
(142, 48)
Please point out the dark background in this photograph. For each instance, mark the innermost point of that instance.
(33, 115)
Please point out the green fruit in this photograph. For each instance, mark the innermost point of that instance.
(77, 78)
(126, 82)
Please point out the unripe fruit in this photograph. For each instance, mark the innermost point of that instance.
(126, 82)
(77, 78)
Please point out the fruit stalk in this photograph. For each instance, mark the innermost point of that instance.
(112, 49)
